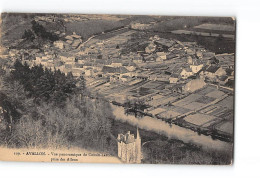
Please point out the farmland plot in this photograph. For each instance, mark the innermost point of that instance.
(198, 119)
(226, 127)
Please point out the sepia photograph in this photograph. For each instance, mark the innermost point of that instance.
(128, 89)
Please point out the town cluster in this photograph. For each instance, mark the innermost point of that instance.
(176, 80)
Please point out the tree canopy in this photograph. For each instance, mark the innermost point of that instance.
(44, 108)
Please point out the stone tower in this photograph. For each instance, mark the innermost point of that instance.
(129, 148)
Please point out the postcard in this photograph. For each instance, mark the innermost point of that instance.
(117, 88)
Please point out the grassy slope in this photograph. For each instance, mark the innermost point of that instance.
(87, 29)
(13, 27)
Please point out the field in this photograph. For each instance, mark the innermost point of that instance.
(112, 34)
(218, 27)
(188, 22)
(207, 109)
(199, 119)
(226, 127)
(204, 34)
(91, 27)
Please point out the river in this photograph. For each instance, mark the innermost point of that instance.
(172, 132)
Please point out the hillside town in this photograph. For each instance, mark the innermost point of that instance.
(179, 82)
(144, 89)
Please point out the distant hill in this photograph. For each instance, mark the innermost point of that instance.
(188, 22)
(14, 26)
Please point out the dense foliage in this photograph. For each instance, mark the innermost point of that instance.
(36, 37)
(44, 85)
(44, 108)
(40, 31)
(135, 107)
(166, 152)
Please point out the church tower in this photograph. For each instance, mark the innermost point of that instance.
(129, 147)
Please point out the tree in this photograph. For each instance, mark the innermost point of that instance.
(134, 106)
(41, 32)
(81, 85)
(14, 104)
(28, 35)
(42, 108)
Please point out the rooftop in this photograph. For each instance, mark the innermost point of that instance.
(212, 69)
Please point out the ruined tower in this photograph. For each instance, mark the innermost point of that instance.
(129, 148)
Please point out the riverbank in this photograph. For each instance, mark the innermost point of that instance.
(158, 148)
(212, 132)
(172, 132)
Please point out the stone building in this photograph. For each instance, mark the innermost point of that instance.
(129, 148)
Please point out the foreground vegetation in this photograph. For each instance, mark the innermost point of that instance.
(41, 109)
